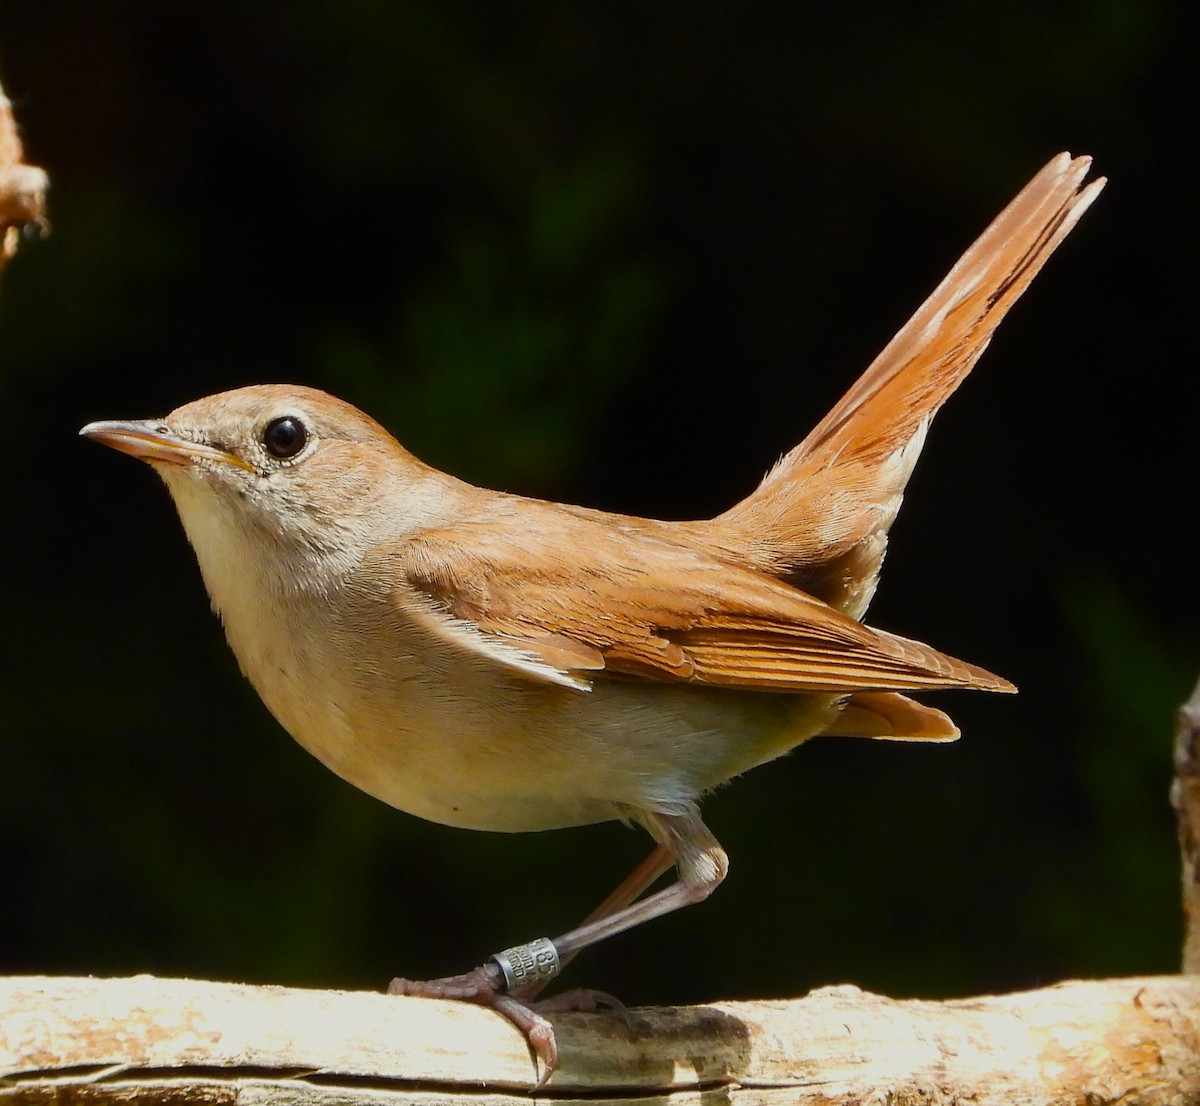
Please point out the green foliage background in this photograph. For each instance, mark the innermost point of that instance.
(623, 255)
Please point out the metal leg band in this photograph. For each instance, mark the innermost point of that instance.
(535, 962)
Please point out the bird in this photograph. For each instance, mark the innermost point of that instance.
(495, 662)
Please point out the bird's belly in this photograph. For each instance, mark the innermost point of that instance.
(479, 748)
(462, 740)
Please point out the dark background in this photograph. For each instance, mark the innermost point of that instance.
(624, 255)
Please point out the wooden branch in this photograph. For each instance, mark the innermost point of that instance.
(22, 187)
(1185, 798)
(149, 1040)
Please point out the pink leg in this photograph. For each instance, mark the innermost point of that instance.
(699, 860)
(682, 840)
(630, 890)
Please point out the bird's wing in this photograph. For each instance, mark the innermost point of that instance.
(562, 595)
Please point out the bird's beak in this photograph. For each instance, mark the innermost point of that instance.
(155, 442)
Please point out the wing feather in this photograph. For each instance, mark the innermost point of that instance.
(564, 595)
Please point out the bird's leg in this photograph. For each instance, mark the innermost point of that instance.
(701, 865)
(659, 861)
(510, 979)
(630, 890)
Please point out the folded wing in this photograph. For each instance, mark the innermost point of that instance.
(561, 596)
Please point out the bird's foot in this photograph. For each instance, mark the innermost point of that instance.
(582, 999)
(479, 985)
(485, 986)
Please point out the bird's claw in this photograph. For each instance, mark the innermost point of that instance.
(480, 985)
(585, 1000)
(484, 986)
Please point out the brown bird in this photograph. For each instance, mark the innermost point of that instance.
(501, 663)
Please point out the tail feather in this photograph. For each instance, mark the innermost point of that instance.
(820, 517)
(892, 717)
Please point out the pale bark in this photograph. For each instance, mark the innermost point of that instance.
(151, 1040)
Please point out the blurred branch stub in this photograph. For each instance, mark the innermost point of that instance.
(1185, 798)
(156, 1041)
(22, 187)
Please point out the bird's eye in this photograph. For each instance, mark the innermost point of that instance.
(284, 437)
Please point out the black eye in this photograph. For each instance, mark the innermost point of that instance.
(284, 437)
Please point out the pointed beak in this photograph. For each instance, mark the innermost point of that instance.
(156, 443)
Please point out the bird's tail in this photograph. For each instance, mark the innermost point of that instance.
(821, 515)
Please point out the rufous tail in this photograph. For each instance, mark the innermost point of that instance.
(820, 517)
